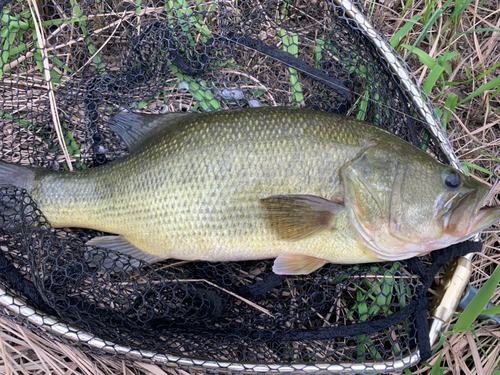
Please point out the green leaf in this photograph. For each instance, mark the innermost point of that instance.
(61, 64)
(451, 102)
(447, 67)
(491, 311)
(449, 107)
(466, 169)
(477, 167)
(431, 80)
(447, 57)
(396, 39)
(439, 346)
(478, 303)
(363, 106)
(487, 86)
(142, 104)
(77, 11)
(63, 21)
(215, 104)
(436, 369)
(138, 9)
(475, 31)
(490, 156)
(495, 93)
(424, 57)
(407, 5)
(460, 8)
(291, 45)
(429, 25)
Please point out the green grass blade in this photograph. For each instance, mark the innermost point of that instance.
(491, 311)
(449, 108)
(424, 57)
(16, 119)
(478, 303)
(428, 26)
(63, 21)
(490, 156)
(495, 93)
(475, 31)
(477, 167)
(447, 57)
(396, 39)
(407, 5)
(487, 86)
(460, 8)
(363, 106)
(436, 369)
(431, 80)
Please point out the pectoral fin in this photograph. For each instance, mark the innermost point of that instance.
(295, 217)
(296, 264)
(120, 244)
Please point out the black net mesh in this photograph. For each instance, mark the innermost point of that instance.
(195, 56)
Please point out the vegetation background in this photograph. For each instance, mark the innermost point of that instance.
(453, 48)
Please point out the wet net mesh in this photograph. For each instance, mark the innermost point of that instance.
(157, 57)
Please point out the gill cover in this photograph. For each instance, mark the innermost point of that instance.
(368, 189)
(392, 194)
(404, 203)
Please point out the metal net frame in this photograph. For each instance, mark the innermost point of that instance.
(68, 66)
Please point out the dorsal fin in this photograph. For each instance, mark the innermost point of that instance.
(138, 130)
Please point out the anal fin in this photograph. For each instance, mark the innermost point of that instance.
(120, 244)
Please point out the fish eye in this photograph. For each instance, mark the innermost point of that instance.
(451, 179)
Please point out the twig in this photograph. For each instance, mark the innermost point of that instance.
(465, 128)
(254, 305)
(46, 71)
(489, 258)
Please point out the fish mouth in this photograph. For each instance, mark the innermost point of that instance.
(468, 218)
(486, 217)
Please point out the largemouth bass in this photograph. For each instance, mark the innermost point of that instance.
(304, 187)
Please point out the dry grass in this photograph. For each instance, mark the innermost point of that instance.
(24, 352)
(474, 127)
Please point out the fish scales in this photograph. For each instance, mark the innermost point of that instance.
(195, 193)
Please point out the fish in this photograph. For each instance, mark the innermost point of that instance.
(301, 186)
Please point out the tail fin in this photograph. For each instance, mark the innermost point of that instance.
(17, 175)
